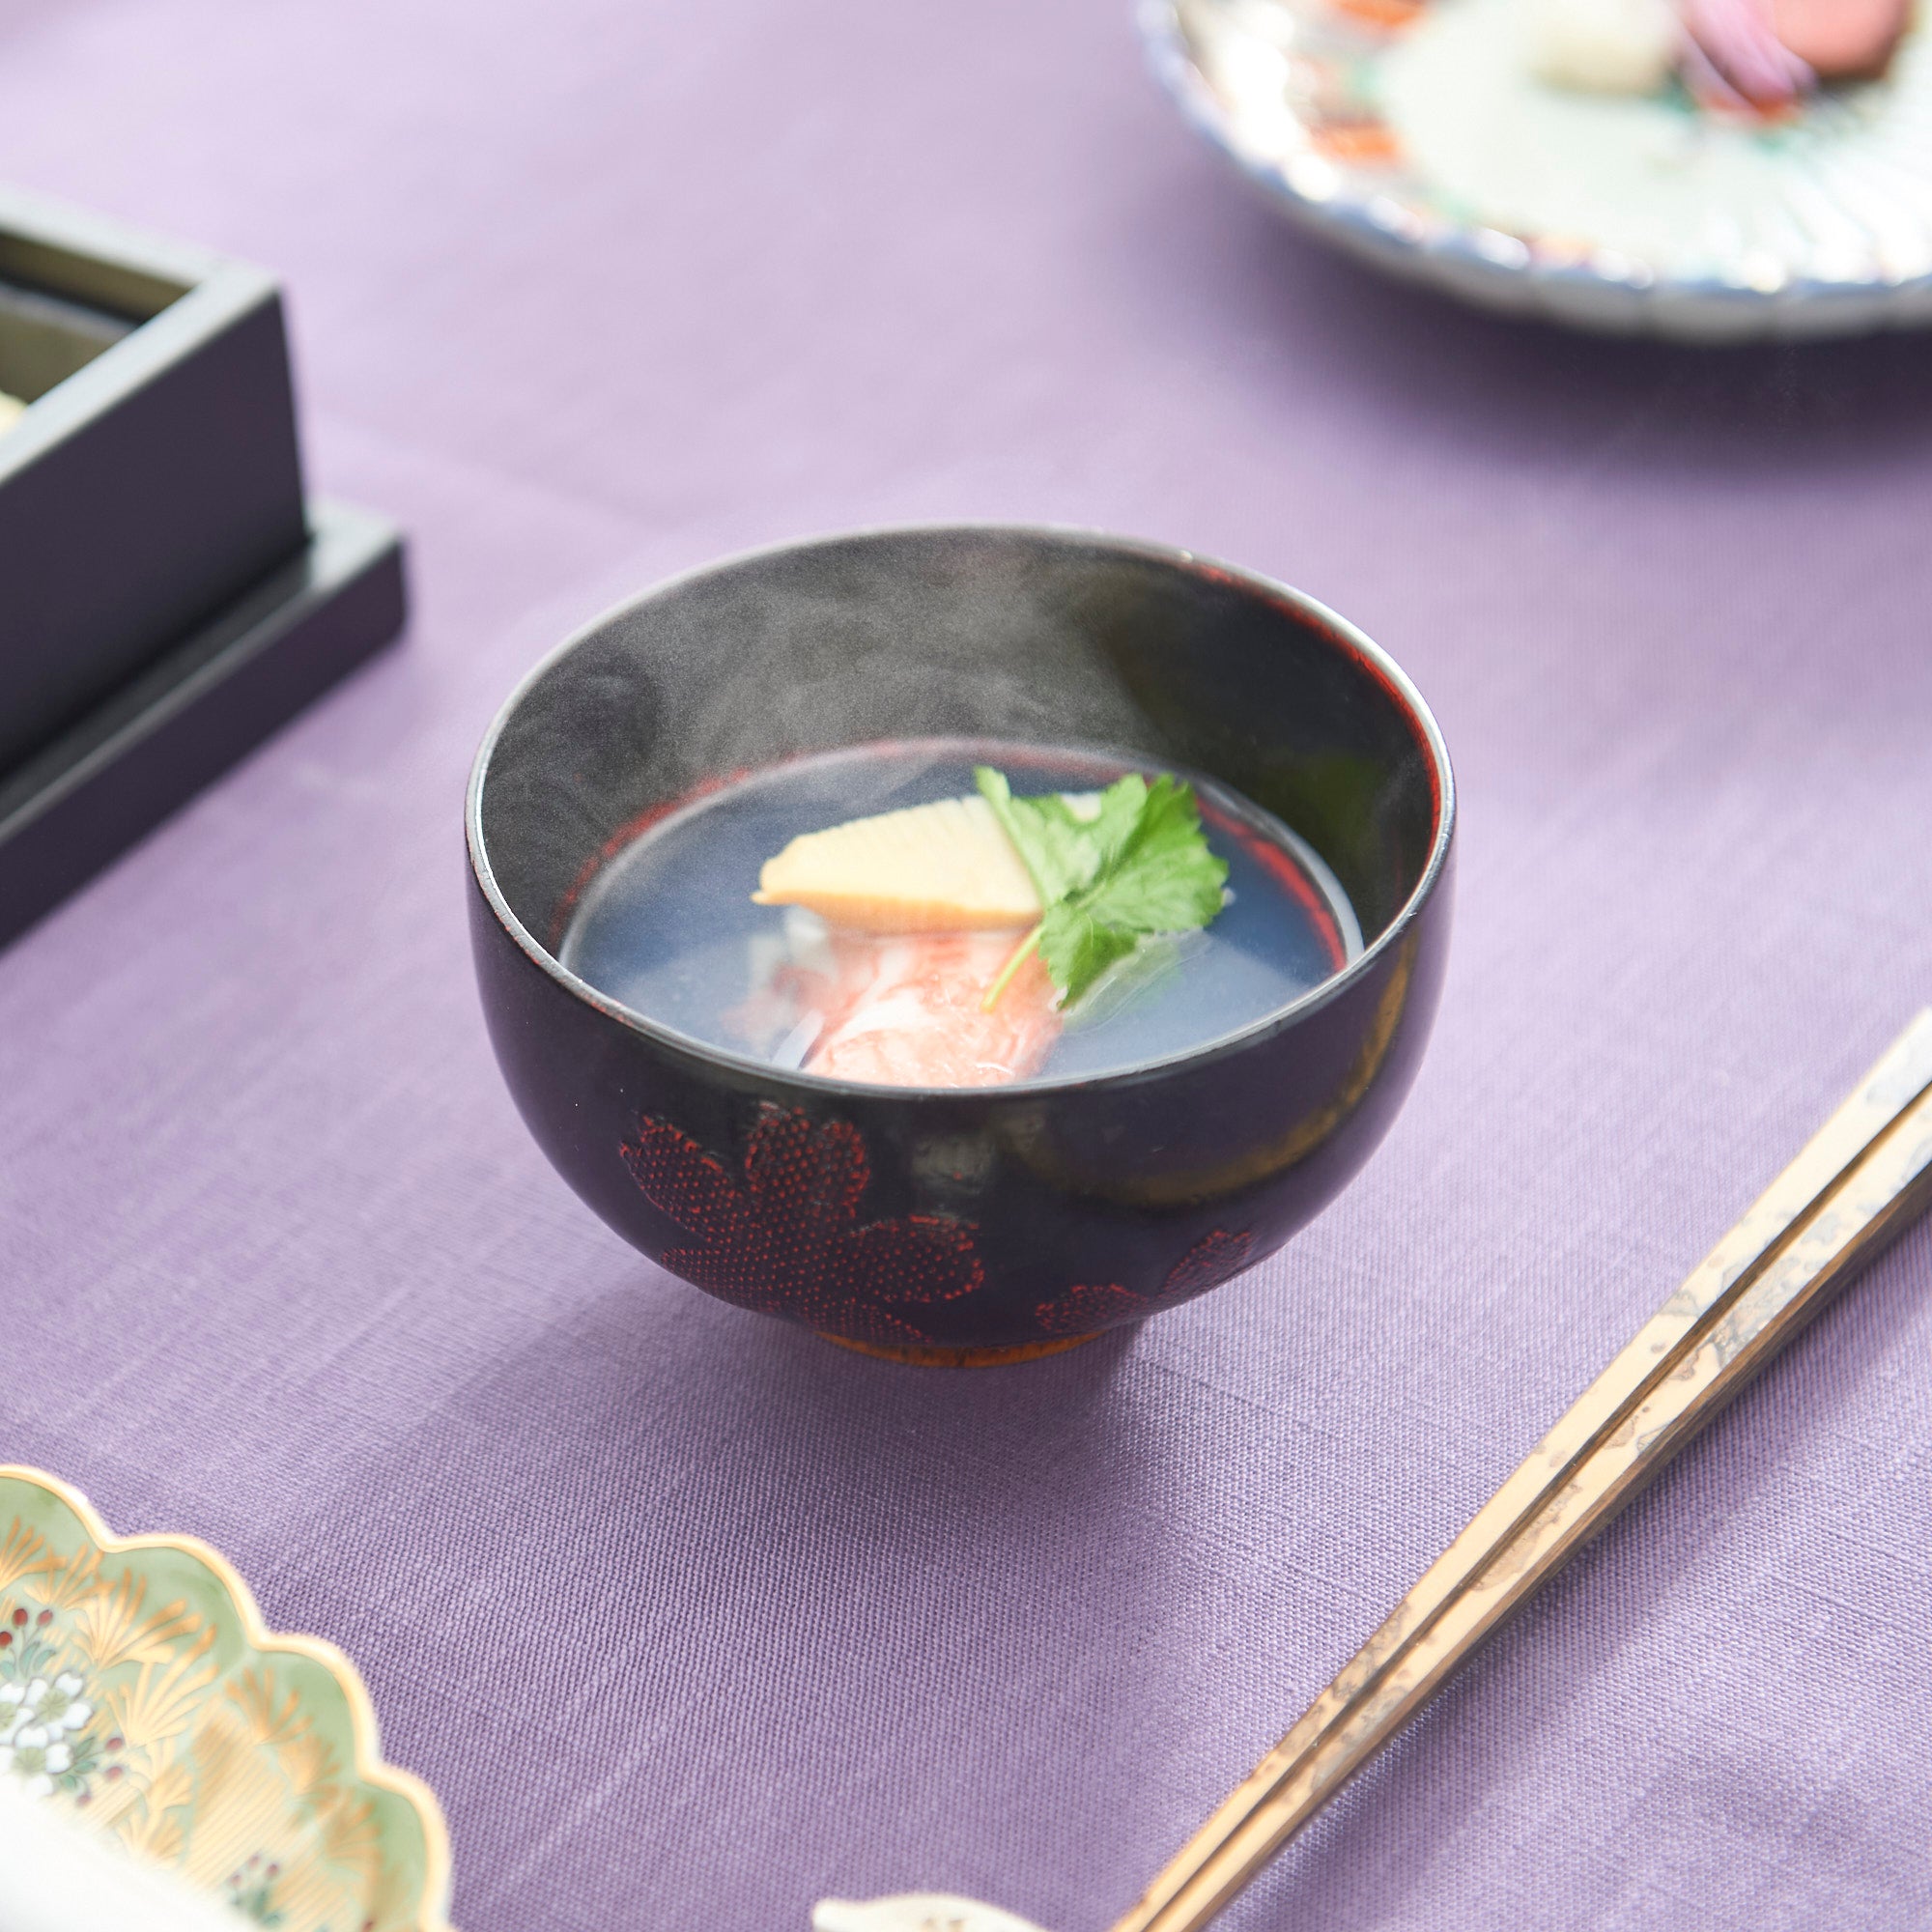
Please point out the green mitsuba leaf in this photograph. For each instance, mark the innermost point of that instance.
(1078, 947)
(1057, 849)
(1137, 864)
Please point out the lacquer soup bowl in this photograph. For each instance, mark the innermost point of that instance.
(984, 1224)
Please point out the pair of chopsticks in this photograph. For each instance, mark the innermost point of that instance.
(1860, 1178)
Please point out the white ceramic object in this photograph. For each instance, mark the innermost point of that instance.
(1417, 135)
(56, 1876)
(914, 1911)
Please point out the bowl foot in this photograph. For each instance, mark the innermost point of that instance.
(934, 1357)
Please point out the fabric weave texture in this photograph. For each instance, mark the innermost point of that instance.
(691, 1618)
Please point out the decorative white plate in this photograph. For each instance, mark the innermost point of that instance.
(141, 1697)
(1412, 132)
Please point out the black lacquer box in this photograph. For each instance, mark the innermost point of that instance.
(168, 596)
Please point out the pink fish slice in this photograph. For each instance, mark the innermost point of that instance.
(907, 1011)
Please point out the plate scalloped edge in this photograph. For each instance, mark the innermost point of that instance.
(151, 1643)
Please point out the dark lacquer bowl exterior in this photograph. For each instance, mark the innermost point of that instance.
(935, 1224)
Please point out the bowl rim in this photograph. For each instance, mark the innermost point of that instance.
(1335, 630)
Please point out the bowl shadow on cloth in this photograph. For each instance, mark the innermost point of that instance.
(743, 1482)
(739, 1535)
(1500, 381)
(647, 1384)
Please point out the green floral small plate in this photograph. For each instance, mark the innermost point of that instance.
(140, 1692)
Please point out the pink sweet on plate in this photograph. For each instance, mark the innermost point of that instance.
(1764, 54)
(1841, 39)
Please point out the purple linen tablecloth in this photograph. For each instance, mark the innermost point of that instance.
(688, 1617)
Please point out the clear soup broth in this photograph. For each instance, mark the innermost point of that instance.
(669, 930)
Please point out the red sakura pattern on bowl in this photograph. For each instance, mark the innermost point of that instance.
(786, 1237)
(783, 1236)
